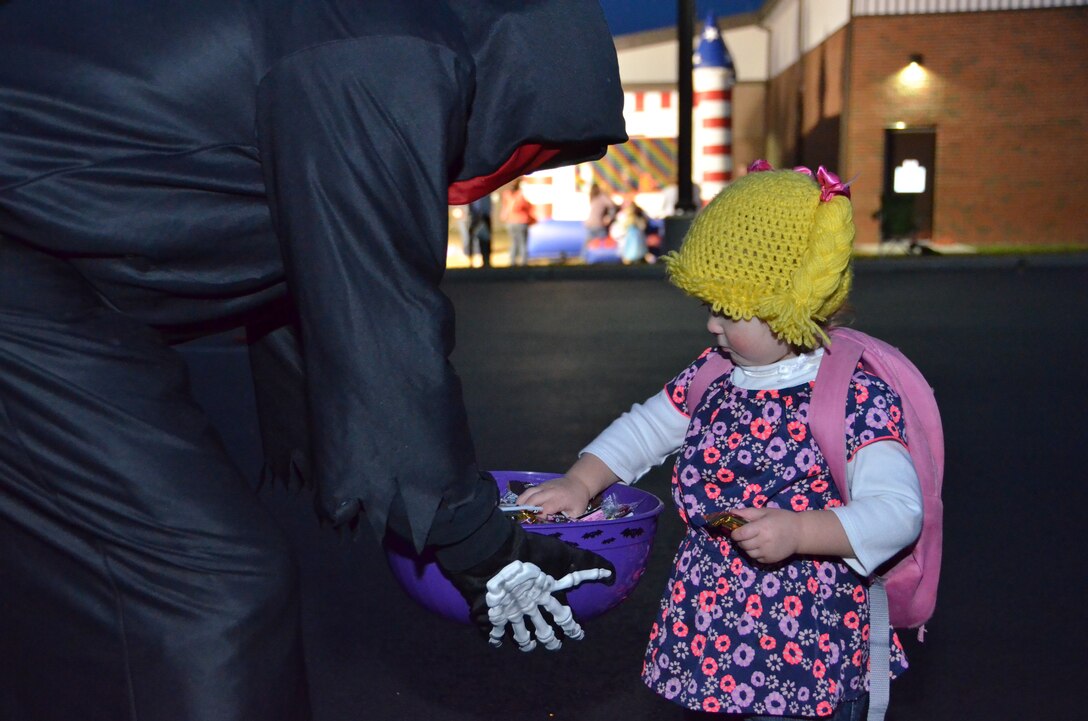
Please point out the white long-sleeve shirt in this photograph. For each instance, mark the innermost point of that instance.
(885, 510)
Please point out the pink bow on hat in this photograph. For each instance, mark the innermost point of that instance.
(830, 185)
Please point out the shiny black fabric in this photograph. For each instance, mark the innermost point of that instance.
(194, 159)
(169, 169)
(140, 578)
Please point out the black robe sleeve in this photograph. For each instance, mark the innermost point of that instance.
(547, 90)
(362, 142)
(356, 166)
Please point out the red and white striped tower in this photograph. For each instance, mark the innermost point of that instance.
(712, 85)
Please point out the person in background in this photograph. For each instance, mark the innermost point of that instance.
(459, 214)
(770, 619)
(173, 170)
(479, 231)
(629, 230)
(602, 211)
(518, 214)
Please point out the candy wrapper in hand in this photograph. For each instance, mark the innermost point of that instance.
(720, 520)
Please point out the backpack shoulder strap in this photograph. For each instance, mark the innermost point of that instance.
(827, 422)
(717, 365)
(921, 413)
(827, 413)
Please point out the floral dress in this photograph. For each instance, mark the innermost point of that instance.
(737, 636)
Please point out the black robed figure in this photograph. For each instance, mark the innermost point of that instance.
(169, 169)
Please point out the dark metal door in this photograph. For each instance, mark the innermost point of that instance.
(909, 179)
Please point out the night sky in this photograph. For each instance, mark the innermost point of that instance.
(630, 16)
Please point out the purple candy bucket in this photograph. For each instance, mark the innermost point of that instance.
(625, 542)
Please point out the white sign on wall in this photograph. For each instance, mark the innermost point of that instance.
(910, 177)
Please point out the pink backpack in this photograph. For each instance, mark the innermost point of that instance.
(910, 578)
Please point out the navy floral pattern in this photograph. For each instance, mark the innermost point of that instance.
(737, 636)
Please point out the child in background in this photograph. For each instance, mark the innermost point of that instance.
(629, 230)
(770, 619)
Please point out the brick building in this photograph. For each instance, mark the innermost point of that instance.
(964, 121)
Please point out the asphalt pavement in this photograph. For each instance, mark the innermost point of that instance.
(549, 357)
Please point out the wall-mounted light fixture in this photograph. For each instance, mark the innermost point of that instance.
(914, 74)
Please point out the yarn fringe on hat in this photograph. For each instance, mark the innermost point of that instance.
(774, 245)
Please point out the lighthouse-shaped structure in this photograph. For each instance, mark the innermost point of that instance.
(712, 85)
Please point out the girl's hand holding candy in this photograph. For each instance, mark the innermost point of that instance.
(769, 536)
(773, 534)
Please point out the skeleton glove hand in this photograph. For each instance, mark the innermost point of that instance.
(531, 571)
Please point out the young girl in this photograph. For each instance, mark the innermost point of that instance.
(770, 619)
(629, 230)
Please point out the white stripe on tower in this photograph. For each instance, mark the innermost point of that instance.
(712, 82)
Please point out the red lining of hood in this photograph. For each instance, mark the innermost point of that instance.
(524, 160)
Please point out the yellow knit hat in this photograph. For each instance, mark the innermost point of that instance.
(774, 245)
